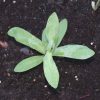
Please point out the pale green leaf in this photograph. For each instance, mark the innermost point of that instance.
(95, 5)
(44, 38)
(74, 51)
(49, 33)
(24, 37)
(50, 70)
(62, 30)
(28, 63)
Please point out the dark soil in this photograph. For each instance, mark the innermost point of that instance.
(79, 80)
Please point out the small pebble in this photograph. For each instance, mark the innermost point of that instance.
(69, 83)
(25, 51)
(66, 72)
(3, 44)
(8, 74)
(4, 0)
(45, 86)
(34, 80)
(0, 81)
(14, 2)
(76, 78)
(5, 55)
(92, 43)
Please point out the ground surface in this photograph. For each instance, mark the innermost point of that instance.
(79, 80)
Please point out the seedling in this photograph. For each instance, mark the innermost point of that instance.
(48, 47)
(95, 6)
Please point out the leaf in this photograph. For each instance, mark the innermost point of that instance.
(44, 38)
(95, 5)
(51, 29)
(24, 37)
(28, 63)
(74, 51)
(62, 30)
(50, 70)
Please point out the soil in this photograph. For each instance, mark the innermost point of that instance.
(79, 80)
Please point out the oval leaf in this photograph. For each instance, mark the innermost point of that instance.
(62, 30)
(50, 70)
(28, 63)
(51, 29)
(24, 37)
(74, 51)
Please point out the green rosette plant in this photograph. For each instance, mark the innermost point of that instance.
(51, 37)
